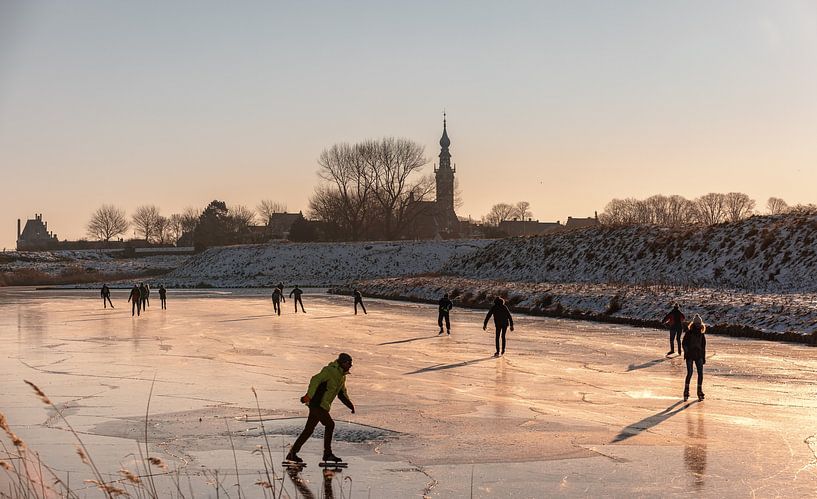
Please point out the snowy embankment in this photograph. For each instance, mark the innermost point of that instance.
(77, 266)
(315, 264)
(776, 316)
(768, 253)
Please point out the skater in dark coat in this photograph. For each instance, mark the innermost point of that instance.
(297, 292)
(106, 296)
(359, 301)
(502, 319)
(445, 306)
(323, 388)
(276, 300)
(675, 320)
(695, 353)
(135, 297)
(163, 296)
(280, 287)
(143, 296)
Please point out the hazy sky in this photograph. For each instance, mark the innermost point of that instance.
(563, 104)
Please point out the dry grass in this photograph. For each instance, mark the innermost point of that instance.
(72, 275)
(29, 477)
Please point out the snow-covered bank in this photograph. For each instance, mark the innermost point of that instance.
(316, 264)
(763, 253)
(787, 317)
(45, 267)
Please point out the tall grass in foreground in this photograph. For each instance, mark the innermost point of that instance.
(29, 477)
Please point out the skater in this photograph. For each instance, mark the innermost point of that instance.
(143, 296)
(502, 318)
(297, 292)
(445, 306)
(359, 300)
(695, 352)
(276, 300)
(323, 388)
(106, 296)
(135, 297)
(280, 287)
(675, 320)
(163, 296)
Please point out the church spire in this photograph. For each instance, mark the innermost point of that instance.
(444, 140)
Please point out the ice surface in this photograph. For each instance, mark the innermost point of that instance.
(573, 409)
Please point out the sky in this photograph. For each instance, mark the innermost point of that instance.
(566, 104)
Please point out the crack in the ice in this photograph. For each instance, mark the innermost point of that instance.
(66, 373)
(432, 481)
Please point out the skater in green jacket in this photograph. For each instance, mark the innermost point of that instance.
(323, 388)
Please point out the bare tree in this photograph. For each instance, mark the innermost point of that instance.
(738, 206)
(521, 210)
(242, 217)
(776, 206)
(345, 169)
(680, 211)
(107, 222)
(499, 213)
(267, 208)
(390, 163)
(163, 232)
(145, 219)
(711, 208)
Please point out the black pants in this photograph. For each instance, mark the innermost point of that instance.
(316, 415)
(444, 315)
(675, 335)
(164, 303)
(136, 307)
(500, 331)
(108, 300)
(276, 306)
(297, 301)
(361, 306)
(699, 364)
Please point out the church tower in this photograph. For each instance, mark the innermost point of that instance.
(444, 174)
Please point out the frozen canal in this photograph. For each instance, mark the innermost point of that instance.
(573, 409)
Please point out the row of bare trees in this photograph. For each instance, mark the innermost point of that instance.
(501, 212)
(369, 188)
(109, 221)
(676, 210)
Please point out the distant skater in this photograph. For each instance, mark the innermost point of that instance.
(276, 300)
(359, 301)
(106, 296)
(163, 296)
(143, 296)
(502, 319)
(135, 297)
(323, 388)
(695, 352)
(297, 292)
(675, 320)
(445, 306)
(280, 287)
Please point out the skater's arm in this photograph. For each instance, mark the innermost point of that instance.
(343, 396)
(487, 317)
(290, 293)
(510, 318)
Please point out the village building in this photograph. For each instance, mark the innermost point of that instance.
(35, 235)
(581, 223)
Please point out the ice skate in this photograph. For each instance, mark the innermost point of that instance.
(332, 461)
(292, 460)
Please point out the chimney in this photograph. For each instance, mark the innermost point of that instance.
(18, 229)
(46, 226)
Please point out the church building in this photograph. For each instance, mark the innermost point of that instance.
(437, 219)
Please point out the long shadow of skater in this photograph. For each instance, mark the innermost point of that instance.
(695, 449)
(249, 318)
(634, 367)
(440, 367)
(651, 421)
(408, 340)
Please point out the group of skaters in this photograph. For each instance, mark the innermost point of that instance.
(278, 297)
(139, 297)
(330, 382)
(693, 343)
